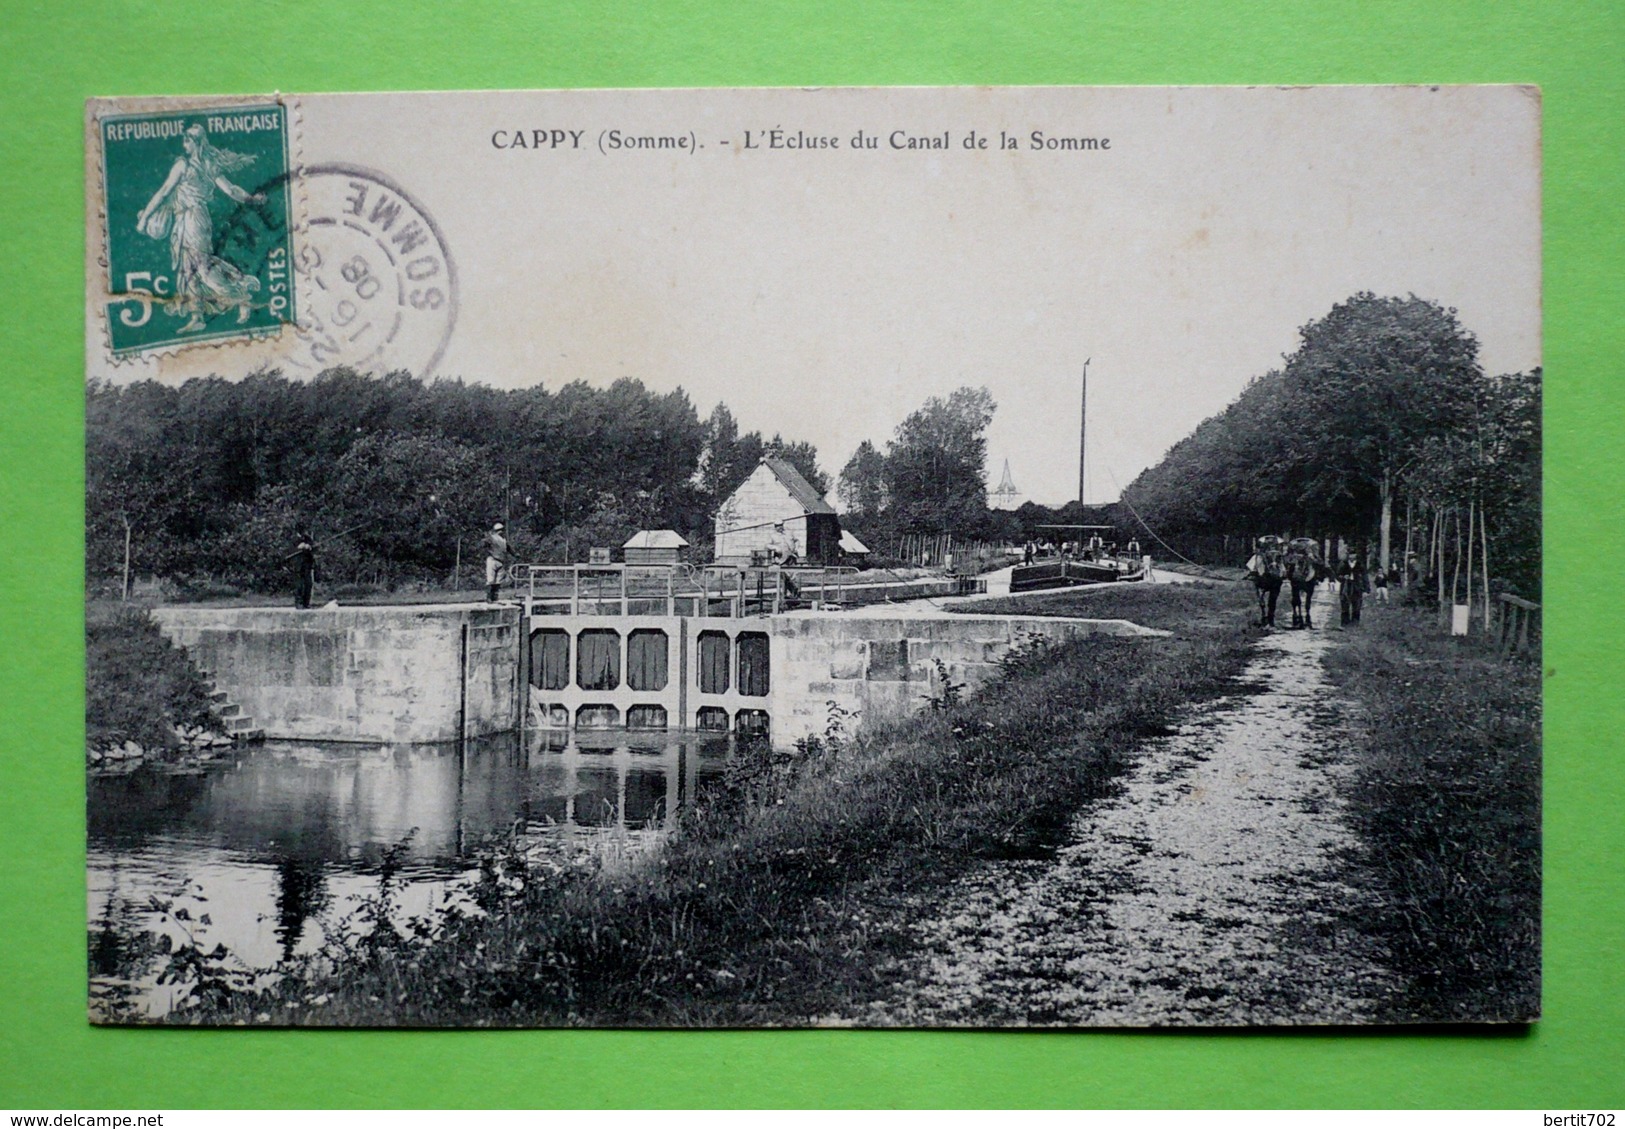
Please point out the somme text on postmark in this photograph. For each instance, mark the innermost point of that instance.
(199, 225)
(379, 288)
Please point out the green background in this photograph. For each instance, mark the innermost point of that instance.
(1574, 1058)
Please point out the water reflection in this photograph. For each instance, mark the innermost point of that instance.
(281, 838)
(301, 893)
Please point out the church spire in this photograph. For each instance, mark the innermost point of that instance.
(1006, 486)
(1006, 496)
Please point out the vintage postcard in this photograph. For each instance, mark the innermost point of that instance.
(870, 557)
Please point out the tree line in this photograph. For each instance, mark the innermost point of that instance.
(1380, 428)
(209, 484)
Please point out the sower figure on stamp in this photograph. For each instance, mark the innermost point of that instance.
(205, 284)
(304, 567)
(496, 560)
(1267, 569)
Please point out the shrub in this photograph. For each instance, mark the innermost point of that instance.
(138, 686)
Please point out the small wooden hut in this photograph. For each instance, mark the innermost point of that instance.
(653, 547)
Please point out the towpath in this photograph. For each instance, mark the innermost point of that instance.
(1208, 890)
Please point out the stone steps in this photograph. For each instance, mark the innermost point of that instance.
(239, 726)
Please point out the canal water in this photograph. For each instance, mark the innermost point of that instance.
(271, 845)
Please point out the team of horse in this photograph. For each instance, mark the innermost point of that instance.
(1279, 563)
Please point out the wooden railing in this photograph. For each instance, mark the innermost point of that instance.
(1519, 624)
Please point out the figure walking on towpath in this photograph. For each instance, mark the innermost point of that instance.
(1353, 582)
(1210, 889)
(496, 561)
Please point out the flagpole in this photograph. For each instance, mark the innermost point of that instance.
(1083, 429)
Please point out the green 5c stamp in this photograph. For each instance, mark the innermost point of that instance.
(199, 239)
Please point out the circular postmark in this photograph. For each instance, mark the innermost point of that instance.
(376, 285)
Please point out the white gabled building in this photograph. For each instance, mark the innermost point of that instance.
(776, 512)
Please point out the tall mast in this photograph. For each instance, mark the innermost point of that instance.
(1083, 430)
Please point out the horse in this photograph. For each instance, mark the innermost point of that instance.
(1304, 570)
(1269, 573)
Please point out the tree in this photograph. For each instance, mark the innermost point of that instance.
(862, 489)
(1491, 466)
(1371, 383)
(216, 474)
(412, 497)
(936, 464)
(728, 457)
(1329, 442)
(140, 481)
(804, 457)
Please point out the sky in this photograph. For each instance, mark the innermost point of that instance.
(824, 292)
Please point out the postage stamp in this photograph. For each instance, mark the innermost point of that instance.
(198, 225)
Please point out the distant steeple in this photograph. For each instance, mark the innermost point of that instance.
(1006, 496)
(1007, 485)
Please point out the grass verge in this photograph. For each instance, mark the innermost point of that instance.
(780, 897)
(1185, 608)
(1207, 572)
(1446, 801)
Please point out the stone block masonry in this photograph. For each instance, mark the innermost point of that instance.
(399, 674)
(432, 673)
(884, 667)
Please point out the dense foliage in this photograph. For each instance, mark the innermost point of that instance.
(932, 479)
(211, 481)
(208, 485)
(1382, 429)
(138, 686)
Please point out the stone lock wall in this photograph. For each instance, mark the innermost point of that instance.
(883, 668)
(362, 673)
(391, 674)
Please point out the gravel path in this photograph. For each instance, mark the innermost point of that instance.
(1207, 891)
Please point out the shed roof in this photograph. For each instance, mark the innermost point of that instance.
(655, 539)
(850, 544)
(800, 489)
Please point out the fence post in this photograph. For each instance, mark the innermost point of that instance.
(1516, 616)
